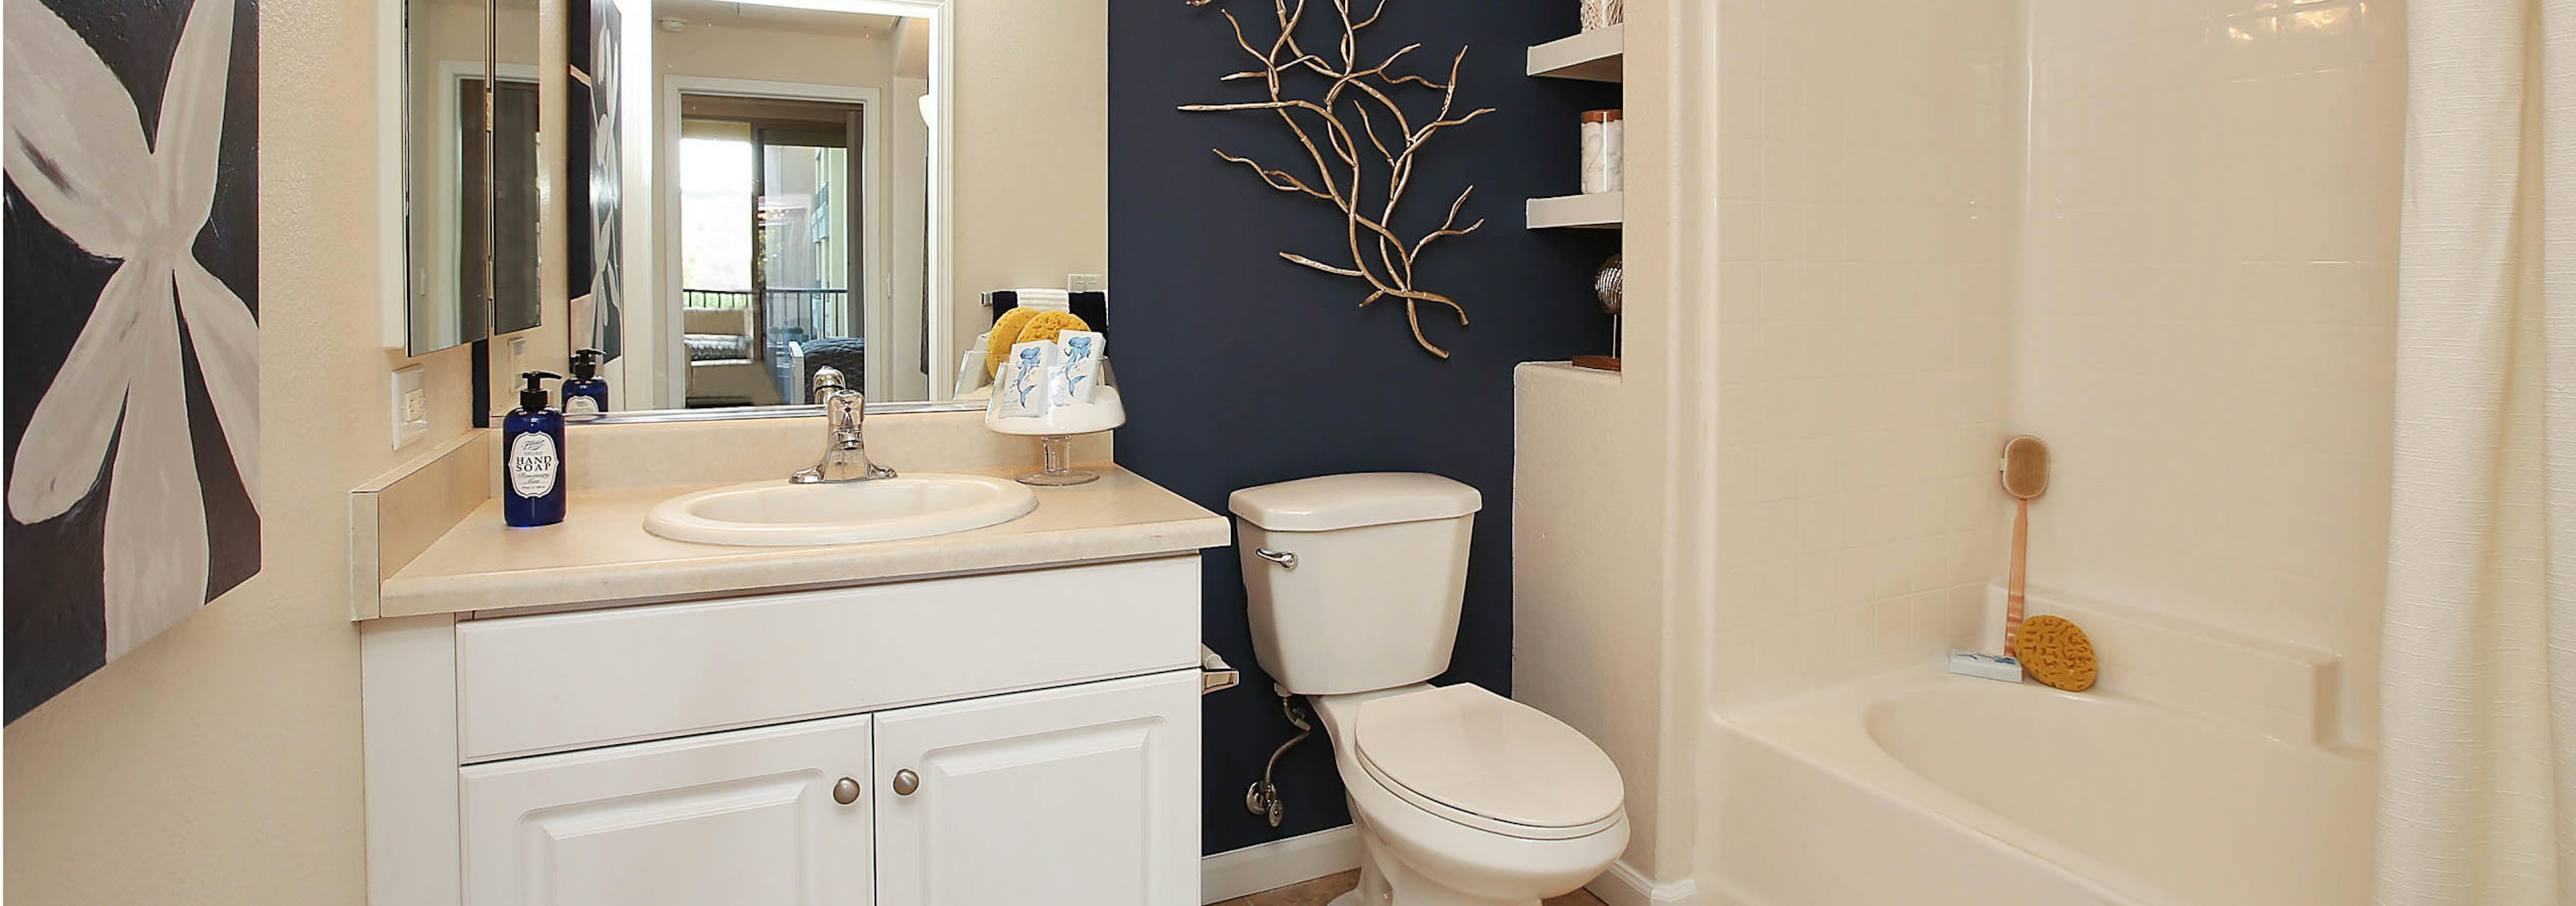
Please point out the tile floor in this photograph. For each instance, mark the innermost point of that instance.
(1322, 890)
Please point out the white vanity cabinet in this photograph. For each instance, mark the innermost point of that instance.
(1025, 737)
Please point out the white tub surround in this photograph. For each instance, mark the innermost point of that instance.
(2283, 690)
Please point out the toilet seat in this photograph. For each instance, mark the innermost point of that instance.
(1487, 762)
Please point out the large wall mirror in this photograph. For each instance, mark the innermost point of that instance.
(727, 197)
(747, 192)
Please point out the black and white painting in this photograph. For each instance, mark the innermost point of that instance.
(132, 366)
(606, 179)
(598, 319)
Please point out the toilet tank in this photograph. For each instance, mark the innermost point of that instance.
(1380, 565)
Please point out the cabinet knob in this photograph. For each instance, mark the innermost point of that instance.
(905, 782)
(846, 791)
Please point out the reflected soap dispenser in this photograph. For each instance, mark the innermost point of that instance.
(532, 443)
(585, 395)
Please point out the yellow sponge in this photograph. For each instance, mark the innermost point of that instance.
(2056, 653)
(1048, 324)
(1005, 332)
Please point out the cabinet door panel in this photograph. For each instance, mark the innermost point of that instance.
(743, 819)
(1083, 796)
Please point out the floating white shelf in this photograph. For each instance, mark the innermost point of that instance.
(1593, 56)
(1600, 210)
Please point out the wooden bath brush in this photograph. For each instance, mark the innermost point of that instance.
(2056, 653)
(2025, 477)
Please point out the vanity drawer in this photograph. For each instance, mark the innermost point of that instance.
(554, 682)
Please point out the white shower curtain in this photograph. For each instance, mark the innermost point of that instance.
(2477, 790)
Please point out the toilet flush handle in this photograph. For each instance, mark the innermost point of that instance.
(1286, 560)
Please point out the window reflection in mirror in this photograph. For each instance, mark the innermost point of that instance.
(769, 248)
(794, 176)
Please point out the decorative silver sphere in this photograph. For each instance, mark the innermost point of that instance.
(1606, 285)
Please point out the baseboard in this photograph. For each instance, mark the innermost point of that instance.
(1623, 885)
(1278, 863)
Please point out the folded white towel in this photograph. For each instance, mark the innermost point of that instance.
(1045, 299)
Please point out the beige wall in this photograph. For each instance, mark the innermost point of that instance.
(1610, 536)
(219, 763)
(2207, 336)
(1587, 625)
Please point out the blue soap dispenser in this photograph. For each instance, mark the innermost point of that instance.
(585, 396)
(532, 443)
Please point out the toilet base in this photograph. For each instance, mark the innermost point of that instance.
(1386, 881)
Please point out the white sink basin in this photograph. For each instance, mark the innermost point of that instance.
(779, 514)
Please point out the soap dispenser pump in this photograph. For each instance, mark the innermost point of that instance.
(585, 395)
(532, 451)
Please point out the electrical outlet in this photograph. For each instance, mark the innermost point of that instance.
(410, 405)
(1085, 283)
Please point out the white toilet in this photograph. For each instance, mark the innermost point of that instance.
(1462, 797)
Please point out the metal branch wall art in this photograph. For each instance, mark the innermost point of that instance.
(1369, 148)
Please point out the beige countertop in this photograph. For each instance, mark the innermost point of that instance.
(600, 554)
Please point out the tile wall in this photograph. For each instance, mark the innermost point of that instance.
(2206, 330)
(2161, 236)
(1869, 163)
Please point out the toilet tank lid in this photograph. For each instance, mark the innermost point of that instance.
(1329, 502)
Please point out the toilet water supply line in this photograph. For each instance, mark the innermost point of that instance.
(1263, 798)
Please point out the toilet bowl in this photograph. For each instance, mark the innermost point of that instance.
(1465, 797)
(1461, 797)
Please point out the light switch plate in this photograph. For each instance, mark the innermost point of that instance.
(1085, 283)
(410, 405)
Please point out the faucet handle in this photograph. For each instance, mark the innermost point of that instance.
(828, 378)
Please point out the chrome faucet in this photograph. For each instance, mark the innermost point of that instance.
(845, 452)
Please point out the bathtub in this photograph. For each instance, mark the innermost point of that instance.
(1918, 787)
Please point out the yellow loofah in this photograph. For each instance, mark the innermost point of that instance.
(1047, 325)
(1005, 332)
(2056, 653)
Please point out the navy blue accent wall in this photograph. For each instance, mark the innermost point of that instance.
(1240, 369)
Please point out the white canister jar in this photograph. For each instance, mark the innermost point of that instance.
(1602, 142)
(1600, 14)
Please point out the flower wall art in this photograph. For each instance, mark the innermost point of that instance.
(132, 332)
